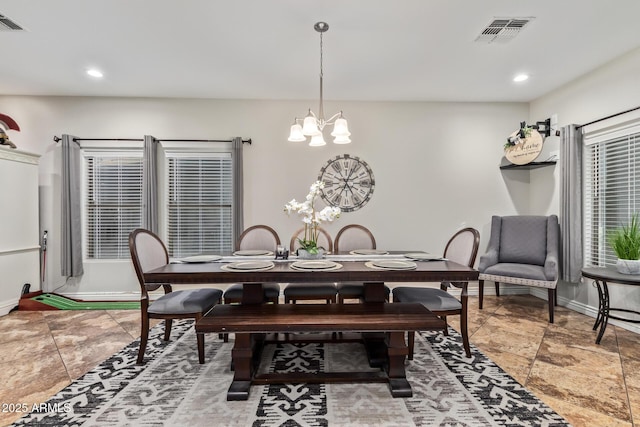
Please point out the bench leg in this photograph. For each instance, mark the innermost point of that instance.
(397, 351)
(242, 360)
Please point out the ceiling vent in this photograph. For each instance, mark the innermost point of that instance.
(7, 24)
(502, 30)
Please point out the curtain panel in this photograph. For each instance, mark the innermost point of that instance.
(71, 257)
(238, 189)
(571, 204)
(150, 184)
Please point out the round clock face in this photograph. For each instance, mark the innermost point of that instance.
(348, 182)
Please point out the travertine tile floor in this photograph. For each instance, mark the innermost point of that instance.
(589, 384)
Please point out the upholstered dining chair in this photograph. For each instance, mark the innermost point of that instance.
(255, 237)
(310, 291)
(523, 250)
(463, 249)
(148, 252)
(352, 237)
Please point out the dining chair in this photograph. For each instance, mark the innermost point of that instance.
(148, 252)
(311, 291)
(256, 237)
(462, 248)
(523, 250)
(352, 237)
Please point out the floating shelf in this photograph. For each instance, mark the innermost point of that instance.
(528, 166)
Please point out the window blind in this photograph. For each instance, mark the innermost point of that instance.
(113, 203)
(611, 190)
(199, 203)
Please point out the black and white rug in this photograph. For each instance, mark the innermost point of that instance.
(172, 389)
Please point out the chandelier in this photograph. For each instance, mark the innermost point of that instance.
(312, 125)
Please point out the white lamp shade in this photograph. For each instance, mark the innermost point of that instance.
(341, 140)
(296, 133)
(310, 126)
(317, 140)
(340, 128)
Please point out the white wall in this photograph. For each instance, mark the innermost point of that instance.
(435, 164)
(605, 91)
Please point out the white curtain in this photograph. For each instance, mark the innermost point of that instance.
(71, 257)
(238, 190)
(571, 203)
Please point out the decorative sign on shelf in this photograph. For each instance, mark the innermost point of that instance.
(7, 123)
(523, 146)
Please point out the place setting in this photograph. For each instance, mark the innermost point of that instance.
(391, 264)
(424, 256)
(369, 252)
(317, 265)
(253, 252)
(244, 266)
(199, 259)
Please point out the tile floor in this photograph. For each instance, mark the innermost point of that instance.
(589, 384)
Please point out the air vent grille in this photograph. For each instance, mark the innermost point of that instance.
(7, 24)
(502, 30)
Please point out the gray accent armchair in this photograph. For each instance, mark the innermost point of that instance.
(523, 250)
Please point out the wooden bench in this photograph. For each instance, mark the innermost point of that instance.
(251, 322)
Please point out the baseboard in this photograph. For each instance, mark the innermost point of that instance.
(7, 306)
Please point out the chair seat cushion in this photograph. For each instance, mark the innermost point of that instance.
(432, 298)
(355, 290)
(309, 289)
(524, 271)
(270, 290)
(187, 301)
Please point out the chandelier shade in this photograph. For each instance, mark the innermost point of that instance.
(313, 125)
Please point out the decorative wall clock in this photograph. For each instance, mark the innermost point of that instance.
(348, 182)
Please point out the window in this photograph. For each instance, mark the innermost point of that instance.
(113, 202)
(611, 188)
(199, 203)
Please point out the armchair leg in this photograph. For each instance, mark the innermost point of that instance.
(497, 289)
(144, 336)
(480, 292)
(551, 304)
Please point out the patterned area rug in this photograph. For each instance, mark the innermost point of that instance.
(173, 389)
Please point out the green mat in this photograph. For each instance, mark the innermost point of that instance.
(63, 303)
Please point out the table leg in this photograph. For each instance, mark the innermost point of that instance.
(242, 356)
(397, 351)
(603, 308)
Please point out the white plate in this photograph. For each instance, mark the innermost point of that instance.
(201, 258)
(368, 252)
(394, 264)
(249, 265)
(423, 256)
(253, 252)
(314, 264)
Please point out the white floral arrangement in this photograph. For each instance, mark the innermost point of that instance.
(312, 218)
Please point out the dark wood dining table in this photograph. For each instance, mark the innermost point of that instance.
(291, 319)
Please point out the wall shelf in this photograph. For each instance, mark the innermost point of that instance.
(528, 166)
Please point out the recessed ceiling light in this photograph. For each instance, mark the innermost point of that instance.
(521, 77)
(94, 73)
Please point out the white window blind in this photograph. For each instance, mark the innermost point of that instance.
(611, 190)
(113, 203)
(199, 203)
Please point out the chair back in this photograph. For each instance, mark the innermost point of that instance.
(324, 240)
(258, 237)
(147, 253)
(463, 247)
(522, 238)
(354, 236)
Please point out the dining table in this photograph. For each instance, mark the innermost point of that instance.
(251, 319)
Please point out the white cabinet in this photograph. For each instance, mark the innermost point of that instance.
(19, 230)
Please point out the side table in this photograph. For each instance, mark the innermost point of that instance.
(600, 277)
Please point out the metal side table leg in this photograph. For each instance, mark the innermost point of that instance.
(603, 297)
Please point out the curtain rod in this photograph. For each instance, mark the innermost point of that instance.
(57, 139)
(608, 117)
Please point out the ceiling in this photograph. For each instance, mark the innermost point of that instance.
(386, 50)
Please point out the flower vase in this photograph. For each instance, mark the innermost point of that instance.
(304, 254)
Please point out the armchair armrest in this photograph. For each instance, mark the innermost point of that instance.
(553, 243)
(488, 259)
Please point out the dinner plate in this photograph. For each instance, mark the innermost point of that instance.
(423, 256)
(253, 252)
(314, 264)
(392, 264)
(248, 266)
(200, 258)
(368, 252)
